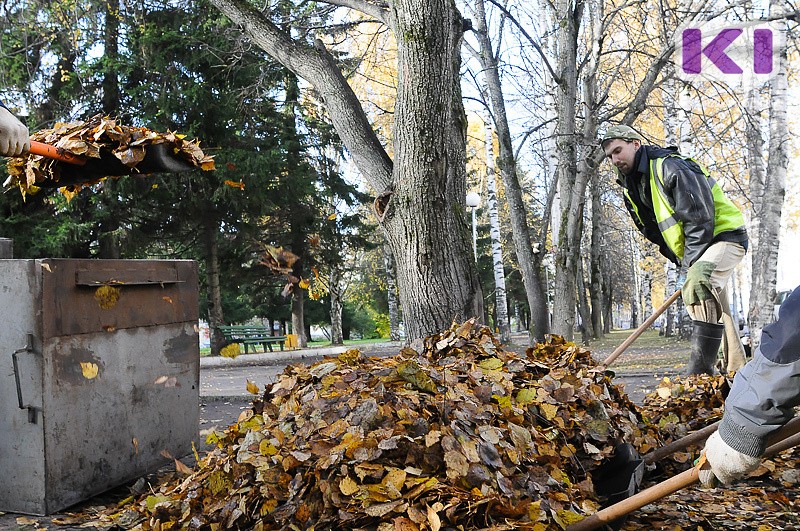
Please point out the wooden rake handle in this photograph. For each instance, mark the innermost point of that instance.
(783, 439)
(52, 152)
(645, 325)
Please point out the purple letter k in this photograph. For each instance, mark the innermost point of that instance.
(715, 51)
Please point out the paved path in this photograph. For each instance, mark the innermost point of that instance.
(224, 378)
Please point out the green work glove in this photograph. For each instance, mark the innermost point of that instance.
(697, 287)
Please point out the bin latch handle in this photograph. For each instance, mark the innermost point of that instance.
(32, 417)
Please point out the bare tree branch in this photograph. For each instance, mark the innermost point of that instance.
(378, 11)
(317, 66)
(531, 40)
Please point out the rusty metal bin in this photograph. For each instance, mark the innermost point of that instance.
(99, 373)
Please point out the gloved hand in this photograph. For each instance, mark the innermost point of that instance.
(14, 137)
(723, 463)
(697, 287)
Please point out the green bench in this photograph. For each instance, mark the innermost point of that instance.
(251, 336)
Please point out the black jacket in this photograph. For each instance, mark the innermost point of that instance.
(690, 196)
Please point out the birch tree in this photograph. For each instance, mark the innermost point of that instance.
(765, 254)
(498, 264)
(529, 262)
(420, 193)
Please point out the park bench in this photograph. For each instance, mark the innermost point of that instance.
(251, 336)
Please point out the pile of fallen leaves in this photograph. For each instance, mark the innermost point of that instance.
(91, 139)
(684, 404)
(678, 407)
(462, 434)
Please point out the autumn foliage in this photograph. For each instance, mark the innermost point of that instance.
(460, 434)
(89, 139)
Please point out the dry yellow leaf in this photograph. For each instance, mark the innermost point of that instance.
(231, 351)
(252, 388)
(182, 468)
(89, 370)
(348, 487)
(107, 296)
(433, 518)
(394, 481)
(548, 410)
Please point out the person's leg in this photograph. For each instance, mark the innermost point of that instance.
(716, 265)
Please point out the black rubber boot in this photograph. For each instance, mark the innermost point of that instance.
(706, 339)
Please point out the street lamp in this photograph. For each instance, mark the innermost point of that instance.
(474, 201)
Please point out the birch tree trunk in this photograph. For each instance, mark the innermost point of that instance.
(671, 275)
(636, 298)
(647, 294)
(671, 127)
(421, 194)
(501, 303)
(571, 184)
(753, 115)
(391, 295)
(765, 256)
(583, 306)
(529, 262)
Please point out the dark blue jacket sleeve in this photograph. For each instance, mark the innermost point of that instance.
(766, 390)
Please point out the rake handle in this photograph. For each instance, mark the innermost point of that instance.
(52, 152)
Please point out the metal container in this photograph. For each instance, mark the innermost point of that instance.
(99, 373)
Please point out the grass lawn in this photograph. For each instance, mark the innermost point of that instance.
(649, 351)
(648, 339)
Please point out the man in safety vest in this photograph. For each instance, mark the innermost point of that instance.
(678, 206)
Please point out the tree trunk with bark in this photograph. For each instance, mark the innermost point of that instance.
(754, 153)
(501, 303)
(765, 255)
(421, 194)
(298, 320)
(215, 315)
(391, 295)
(636, 298)
(529, 263)
(335, 289)
(583, 307)
(571, 184)
(647, 294)
(596, 286)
